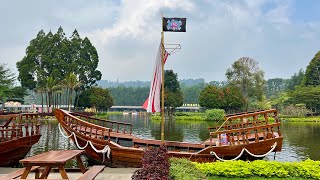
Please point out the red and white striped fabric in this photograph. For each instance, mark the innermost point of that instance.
(152, 103)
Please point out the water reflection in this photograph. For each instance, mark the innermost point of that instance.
(52, 139)
(301, 140)
(189, 131)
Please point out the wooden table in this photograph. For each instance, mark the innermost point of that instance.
(52, 159)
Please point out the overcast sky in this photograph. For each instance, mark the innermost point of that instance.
(282, 35)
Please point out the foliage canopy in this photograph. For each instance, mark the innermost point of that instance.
(95, 97)
(50, 58)
(246, 74)
(312, 75)
(211, 97)
(173, 96)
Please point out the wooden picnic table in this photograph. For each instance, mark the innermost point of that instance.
(52, 159)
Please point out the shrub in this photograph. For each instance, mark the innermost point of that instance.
(298, 110)
(183, 169)
(260, 168)
(189, 114)
(215, 114)
(191, 118)
(102, 115)
(155, 165)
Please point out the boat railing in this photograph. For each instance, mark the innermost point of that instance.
(246, 112)
(242, 127)
(79, 125)
(15, 131)
(245, 135)
(250, 119)
(119, 127)
(19, 125)
(8, 119)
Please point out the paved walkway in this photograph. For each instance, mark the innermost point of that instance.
(108, 173)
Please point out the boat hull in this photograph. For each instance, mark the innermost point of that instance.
(129, 154)
(13, 150)
(131, 157)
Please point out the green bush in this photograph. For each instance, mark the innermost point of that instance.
(186, 118)
(215, 114)
(181, 114)
(156, 118)
(103, 115)
(181, 168)
(114, 113)
(191, 118)
(260, 168)
(254, 178)
(190, 114)
(301, 119)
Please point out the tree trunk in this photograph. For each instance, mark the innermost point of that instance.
(70, 99)
(50, 98)
(47, 102)
(42, 102)
(77, 98)
(67, 98)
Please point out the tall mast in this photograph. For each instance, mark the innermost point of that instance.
(162, 87)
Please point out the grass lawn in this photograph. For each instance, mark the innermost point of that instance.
(255, 178)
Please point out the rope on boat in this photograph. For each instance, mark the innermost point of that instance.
(245, 149)
(105, 150)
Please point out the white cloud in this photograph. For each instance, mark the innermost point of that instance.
(9, 55)
(126, 34)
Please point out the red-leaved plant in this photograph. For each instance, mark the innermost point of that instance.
(155, 165)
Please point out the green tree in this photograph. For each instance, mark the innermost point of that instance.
(173, 96)
(70, 83)
(281, 101)
(312, 75)
(211, 97)
(50, 87)
(129, 96)
(308, 95)
(96, 97)
(275, 86)
(218, 83)
(191, 93)
(233, 99)
(246, 74)
(7, 79)
(18, 92)
(296, 80)
(87, 64)
(56, 56)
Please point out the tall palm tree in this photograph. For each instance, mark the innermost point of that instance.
(51, 86)
(71, 82)
(41, 90)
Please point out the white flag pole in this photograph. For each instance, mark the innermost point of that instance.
(162, 103)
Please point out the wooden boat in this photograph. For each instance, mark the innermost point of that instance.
(246, 136)
(17, 135)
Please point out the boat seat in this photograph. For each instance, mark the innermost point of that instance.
(18, 173)
(92, 172)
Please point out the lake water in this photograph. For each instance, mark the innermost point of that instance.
(301, 140)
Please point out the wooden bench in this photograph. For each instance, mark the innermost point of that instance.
(18, 173)
(92, 172)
